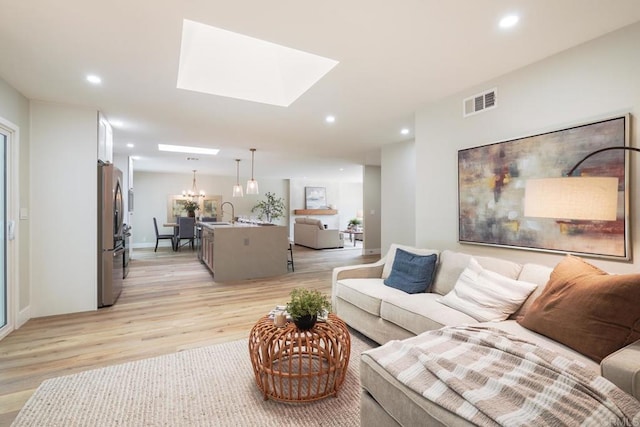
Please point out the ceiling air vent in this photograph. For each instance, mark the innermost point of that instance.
(479, 102)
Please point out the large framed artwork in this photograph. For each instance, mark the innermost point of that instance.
(209, 207)
(315, 197)
(491, 185)
(175, 207)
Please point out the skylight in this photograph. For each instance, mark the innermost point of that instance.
(221, 62)
(187, 149)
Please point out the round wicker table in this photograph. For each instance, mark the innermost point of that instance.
(291, 365)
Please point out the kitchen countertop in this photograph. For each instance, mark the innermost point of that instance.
(215, 225)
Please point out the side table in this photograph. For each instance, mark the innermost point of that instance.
(291, 365)
(353, 235)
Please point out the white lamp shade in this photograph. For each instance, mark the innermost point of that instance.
(579, 198)
(252, 186)
(237, 191)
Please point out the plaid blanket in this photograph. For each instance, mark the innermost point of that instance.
(493, 378)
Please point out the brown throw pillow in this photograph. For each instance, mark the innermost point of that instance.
(585, 308)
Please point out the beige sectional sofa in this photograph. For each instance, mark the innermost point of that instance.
(384, 313)
(311, 233)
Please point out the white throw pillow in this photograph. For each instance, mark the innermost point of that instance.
(486, 295)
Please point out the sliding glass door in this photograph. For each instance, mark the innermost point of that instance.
(3, 230)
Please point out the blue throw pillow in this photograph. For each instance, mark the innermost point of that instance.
(411, 273)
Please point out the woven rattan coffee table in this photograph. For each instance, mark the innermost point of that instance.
(291, 365)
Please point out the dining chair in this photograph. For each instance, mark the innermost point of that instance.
(186, 231)
(161, 236)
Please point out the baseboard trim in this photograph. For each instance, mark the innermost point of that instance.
(23, 316)
(371, 251)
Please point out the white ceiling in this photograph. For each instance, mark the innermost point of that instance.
(395, 57)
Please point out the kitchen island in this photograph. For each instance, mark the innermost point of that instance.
(236, 251)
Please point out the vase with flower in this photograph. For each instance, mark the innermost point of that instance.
(191, 206)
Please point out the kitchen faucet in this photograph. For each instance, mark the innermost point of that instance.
(233, 212)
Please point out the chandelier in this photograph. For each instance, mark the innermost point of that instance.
(193, 193)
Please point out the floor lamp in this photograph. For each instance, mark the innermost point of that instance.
(574, 197)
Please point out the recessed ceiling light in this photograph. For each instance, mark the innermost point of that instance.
(130, 145)
(330, 119)
(405, 131)
(93, 79)
(509, 21)
(221, 62)
(186, 149)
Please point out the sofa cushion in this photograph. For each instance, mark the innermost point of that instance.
(411, 273)
(532, 273)
(452, 264)
(405, 406)
(310, 221)
(513, 327)
(391, 254)
(587, 309)
(421, 312)
(486, 295)
(366, 294)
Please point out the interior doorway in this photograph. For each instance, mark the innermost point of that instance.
(8, 229)
(3, 231)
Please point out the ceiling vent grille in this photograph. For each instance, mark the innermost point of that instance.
(480, 102)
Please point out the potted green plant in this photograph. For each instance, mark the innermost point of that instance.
(191, 206)
(354, 223)
(270, 209)
(305, 306)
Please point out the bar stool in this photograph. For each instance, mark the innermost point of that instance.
(290, 257)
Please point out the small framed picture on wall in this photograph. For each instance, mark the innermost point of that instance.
(315, 197)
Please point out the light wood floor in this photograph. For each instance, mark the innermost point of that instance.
(169, 303)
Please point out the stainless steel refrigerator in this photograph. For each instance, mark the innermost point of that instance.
(110, 234)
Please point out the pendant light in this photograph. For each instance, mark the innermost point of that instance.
(237, 189)
(252, 184)
(193, 193)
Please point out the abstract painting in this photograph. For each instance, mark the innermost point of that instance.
(209, 207)
(315, 197)
(175, 207)
(491, 184)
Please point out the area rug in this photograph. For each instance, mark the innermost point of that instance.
(208, 386)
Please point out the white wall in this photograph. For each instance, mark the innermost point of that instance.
(398, 189)
(594, 80)
(63, 208)
(351, 202)
(152, 190)
(372, 209)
